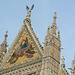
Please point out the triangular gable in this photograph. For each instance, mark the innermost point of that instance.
(26, 48)
(63, 72)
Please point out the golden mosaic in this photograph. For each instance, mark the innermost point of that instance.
(25, 50)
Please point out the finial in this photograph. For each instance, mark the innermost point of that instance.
(54, 18)
(63, 60)
(48, 30)
(48, 27)
(6, 35)
(58, 31)
(59, 34)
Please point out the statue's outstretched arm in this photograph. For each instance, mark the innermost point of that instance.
(32, 7)
(27, 8)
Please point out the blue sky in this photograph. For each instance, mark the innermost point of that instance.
(13, 12)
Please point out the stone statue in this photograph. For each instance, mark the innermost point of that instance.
(29, 10)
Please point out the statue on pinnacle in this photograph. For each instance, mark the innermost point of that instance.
(29, 11)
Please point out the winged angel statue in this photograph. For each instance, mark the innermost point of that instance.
(29, 10)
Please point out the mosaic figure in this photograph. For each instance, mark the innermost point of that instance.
(25, 49)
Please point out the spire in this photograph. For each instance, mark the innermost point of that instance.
(63, 62)
(3, 49)
(5, 41)
(6, 35)
(63, 59)
(73, 66)
(4, 44)
(48, 30)
(54, 26)
(54, 18)
(59, 34)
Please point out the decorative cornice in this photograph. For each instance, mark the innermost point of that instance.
(21, 66)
